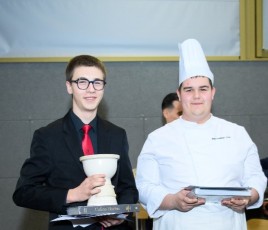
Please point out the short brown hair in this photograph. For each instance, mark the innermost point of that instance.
(209, 80)
(83, 60)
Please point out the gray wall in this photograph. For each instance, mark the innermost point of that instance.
(34, 94)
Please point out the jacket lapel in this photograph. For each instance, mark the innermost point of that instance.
(71, 140)
(103, 136)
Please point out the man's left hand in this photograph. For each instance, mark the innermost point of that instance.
(108, 221)
(236, 204)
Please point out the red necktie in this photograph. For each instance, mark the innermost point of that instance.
(86, 142)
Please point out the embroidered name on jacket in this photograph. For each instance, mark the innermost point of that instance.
(219, 138)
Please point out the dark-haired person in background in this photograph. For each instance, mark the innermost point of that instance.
(264, 165)
(171, 107)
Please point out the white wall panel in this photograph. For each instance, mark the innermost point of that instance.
(64, 28)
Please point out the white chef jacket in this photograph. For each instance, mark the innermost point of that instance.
(183, 153)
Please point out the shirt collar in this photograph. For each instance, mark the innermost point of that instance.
(79, 124)
(194, 124)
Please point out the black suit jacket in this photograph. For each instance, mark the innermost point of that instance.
(54, 167)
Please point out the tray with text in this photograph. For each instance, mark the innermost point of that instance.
(102, 210)
(217, 194)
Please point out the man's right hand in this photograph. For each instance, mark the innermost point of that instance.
(180, 201)
(90, 186)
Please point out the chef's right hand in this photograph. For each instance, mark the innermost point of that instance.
(180, 201)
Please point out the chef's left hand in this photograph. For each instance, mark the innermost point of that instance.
(237, 204)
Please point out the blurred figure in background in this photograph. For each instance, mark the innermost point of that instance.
(171, 107)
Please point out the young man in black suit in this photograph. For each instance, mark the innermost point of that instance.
(53, 178)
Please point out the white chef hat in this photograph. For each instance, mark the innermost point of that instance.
(193, 61)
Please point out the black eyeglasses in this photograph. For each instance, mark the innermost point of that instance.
(83, 83)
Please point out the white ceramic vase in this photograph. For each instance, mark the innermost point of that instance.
(101, 164)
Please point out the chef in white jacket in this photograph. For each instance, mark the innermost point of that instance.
(198, 149)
